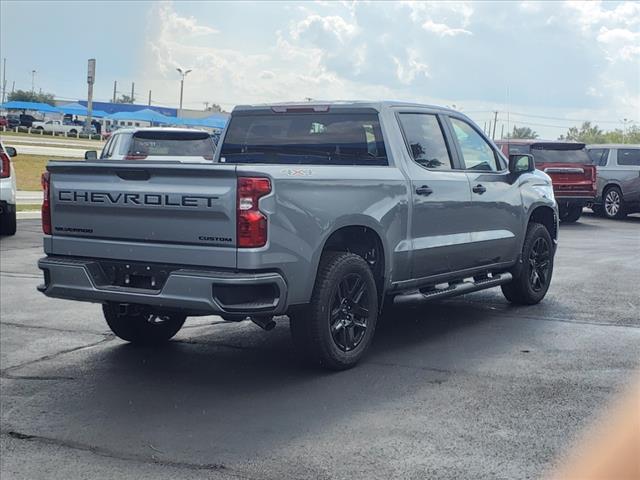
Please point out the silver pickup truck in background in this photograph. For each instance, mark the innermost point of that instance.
(322, 212)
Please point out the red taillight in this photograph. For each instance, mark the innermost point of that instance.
(135, 157)
(46, 205)
(251, 222)
(6, 165)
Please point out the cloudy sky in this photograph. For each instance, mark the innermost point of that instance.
(550, 64)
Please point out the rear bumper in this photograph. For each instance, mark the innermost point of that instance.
(197, 292)
(574, 200)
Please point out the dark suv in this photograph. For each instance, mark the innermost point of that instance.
(570, 168)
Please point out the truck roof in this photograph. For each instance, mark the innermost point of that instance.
(614, 145)
(342, 104)
(157, 129)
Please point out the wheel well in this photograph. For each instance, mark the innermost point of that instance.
(547, 217)
(366, 243)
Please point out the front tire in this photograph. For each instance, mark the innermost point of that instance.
(141, 326)
(614, 207)
(532, 283)
(8, 223)
(570, 214)
(337, 328)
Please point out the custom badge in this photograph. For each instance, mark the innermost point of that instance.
(297, 172)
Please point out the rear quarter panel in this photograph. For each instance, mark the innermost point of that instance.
(311, 202)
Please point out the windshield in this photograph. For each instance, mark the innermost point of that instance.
(542, 155)
(173, 144)
(305, 138)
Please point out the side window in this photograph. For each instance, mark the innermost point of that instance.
(426, 141)
(599, 156)
(106, 151)
(477, 154)
(629, 156)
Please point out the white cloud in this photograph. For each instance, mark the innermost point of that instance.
(443, 29)
(409, 70)
(619, 43)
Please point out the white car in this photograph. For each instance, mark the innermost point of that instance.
(56, 126)
(7, 191)
(157, 143)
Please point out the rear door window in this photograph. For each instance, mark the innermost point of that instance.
(629, 156)
(477, 154)
(304, 139)
(425, 140)
(560, 153)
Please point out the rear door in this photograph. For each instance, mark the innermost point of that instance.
(439, 193)
(494, 218)
(168, 213)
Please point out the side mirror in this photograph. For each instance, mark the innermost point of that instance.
(12, 152)
(521, 163)
(90, 155)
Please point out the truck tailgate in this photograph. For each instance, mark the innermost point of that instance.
(154, 212)
(571, 178)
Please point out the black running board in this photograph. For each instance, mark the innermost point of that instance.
(454, 289)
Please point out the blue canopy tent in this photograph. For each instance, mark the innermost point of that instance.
(214, 121)
(144, 115)
(34, 106)
(77, 109)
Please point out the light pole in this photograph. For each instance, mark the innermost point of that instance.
(184, 73)
(33, 82)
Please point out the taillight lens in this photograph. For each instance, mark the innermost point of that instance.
(46, 205)
(251, 222)
(6, 165)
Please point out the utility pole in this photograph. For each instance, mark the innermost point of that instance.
(184, 73)
(495, 122)
(149, 97)
(115, 84)
(133, 89)
(91, 77)
(13, 87)
(33, 82)
(206, 106)
(484, 127)
(489, 129)
(4, 78)
(624, 129)
(502, 132)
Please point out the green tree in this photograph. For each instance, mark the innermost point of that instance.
(587, 133)
(28, 96)
(124, 98)
(522, 132)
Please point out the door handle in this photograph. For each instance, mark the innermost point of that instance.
(424, 190)
(479, 189)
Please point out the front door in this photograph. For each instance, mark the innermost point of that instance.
(496, 216)
(440, 195)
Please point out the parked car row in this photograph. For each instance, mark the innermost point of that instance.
(605, 178)
(13, 120)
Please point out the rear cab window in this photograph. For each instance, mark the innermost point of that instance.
(307, 137)
(573, 153)
(170, 144)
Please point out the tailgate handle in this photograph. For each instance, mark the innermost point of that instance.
(133, 174)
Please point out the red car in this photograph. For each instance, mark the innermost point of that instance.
(570, 168)
(4, 122)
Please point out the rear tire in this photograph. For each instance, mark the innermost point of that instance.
(570, 214)
(597, 209)
(142, 327)
(614, 207)
(532, 283)
(337, 328)
(8, 223)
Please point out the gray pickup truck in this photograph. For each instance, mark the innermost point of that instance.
(322, 212)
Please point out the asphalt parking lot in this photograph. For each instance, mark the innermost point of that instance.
(465, 388)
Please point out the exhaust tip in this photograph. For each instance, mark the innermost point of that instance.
(266, 323)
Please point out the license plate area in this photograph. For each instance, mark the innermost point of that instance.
(134, 275)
